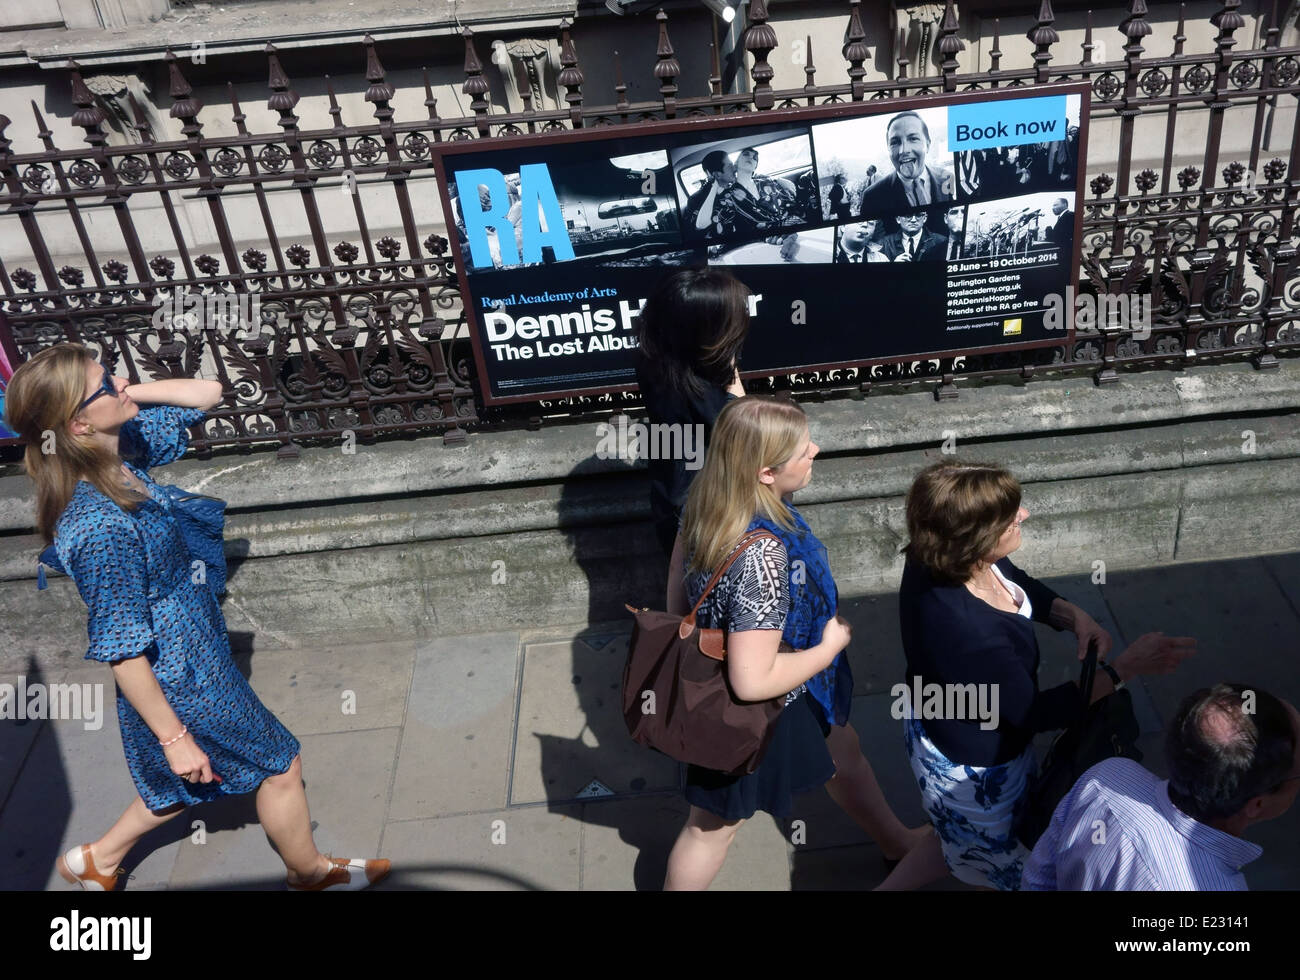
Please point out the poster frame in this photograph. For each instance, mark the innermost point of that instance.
(443, 151)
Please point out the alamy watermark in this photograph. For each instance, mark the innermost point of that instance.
(653, 440)
(1130, 311)
(56, 702)
(948, 702)
(102, 933)
(237, 311)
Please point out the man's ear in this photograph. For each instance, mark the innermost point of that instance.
(1256, 806)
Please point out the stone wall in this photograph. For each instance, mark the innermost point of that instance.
(530, 530)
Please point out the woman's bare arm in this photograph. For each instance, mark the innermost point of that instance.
(758, 670)
(140, 687)
(184, 392)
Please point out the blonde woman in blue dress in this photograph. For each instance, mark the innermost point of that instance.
(192, 729)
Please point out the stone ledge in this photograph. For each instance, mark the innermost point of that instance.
(623, 495)
(437, 587)
(561, 452)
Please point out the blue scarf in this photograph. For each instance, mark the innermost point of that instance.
(813, 601)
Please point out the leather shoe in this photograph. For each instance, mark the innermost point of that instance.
(77, 867)
(348, 875)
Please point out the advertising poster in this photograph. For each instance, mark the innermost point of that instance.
(868, 233)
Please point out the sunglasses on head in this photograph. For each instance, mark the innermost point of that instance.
(106, 387)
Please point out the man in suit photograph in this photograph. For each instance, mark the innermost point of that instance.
(914, 182)
(913, 242)
(1061, 234)
(839, 199)
(950, 248)
(856, 243)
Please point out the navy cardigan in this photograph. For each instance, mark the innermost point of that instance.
(953, 637)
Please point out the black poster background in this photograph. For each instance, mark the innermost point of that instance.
(810, 316)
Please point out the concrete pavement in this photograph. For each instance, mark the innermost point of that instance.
(500, 760)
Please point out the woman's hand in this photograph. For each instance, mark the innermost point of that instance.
(1086, 628)
(1067, 616)
(1153, 653)
(188, 760)
(837, 633)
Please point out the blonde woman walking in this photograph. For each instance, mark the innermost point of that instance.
(760, 454)
(192, 729)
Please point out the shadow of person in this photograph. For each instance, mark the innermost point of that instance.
(35, 799)
(604, 516)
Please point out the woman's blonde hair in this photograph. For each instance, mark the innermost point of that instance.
(956, 513)
(750, 433)
(42, 398)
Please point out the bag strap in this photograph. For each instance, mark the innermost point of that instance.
(739, 550)
(1088, 673)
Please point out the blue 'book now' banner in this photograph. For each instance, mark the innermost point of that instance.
(1006, 122)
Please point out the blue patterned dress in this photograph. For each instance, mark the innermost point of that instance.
(133, 571)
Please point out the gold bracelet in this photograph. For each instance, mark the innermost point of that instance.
(184, 731)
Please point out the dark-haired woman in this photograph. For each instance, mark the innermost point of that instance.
(691, 331)
(192, 729)
(967, 616)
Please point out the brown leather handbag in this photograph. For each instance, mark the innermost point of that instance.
(676, 696)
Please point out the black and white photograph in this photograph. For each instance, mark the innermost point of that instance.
(874, 166)
(487, 204)
(638, 259)
(953, 216)
(860, 241)
(618, 206)
(1033, 224)
(1002, 171)
(745, 187)
(912, 239)
(812, 246)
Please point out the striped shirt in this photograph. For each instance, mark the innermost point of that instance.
(1117, 830)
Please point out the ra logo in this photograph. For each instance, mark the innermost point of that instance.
(541, 222)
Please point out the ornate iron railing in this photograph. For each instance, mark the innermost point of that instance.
(370, 338)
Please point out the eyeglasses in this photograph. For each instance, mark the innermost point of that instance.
(106, 387)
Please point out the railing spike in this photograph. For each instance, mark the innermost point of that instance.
(759, 39)
(88, 114)
(1043, 35)
(949, 45)
(667, 68)
(570, 75)
(184, 104)
(283, 97)
(380, 91)
(475, 84)
(856, 50)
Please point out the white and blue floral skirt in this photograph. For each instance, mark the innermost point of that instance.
(974, 810)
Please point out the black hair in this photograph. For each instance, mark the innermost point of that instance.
(925, 130)
(713, 161)
(692, 327)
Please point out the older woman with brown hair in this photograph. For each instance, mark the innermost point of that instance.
(192, 729)
(967, 617)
